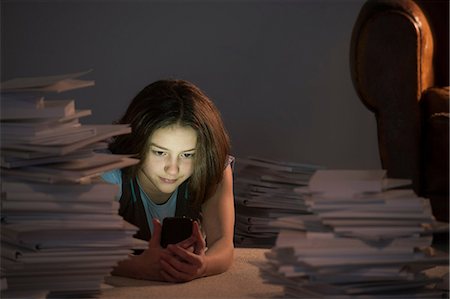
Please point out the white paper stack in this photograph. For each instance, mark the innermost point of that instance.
(264, 191)
(61, 233)
(361, 240)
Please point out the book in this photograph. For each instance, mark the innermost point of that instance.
(53, 83)
(344, 183)
(64, 136)
(36, 127)
(21, 100)
(12, 188)
(103, 132)
(47, 109)
(60, 207)
(55, 175)
(61, 233)
(360, 238)
(265, 189)
(16, 154)
(14, 162)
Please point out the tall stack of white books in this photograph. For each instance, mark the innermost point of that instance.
(366, 237)
(264, 191)
(61, 233)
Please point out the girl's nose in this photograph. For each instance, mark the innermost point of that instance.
(172, 167)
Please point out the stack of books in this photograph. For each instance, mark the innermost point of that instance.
(61, 233)
(264, 191)
(366, 237)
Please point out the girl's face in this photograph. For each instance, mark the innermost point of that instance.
(169, 161)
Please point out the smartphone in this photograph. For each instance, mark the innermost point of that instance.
(175, 229)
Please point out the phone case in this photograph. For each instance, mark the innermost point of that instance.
(175, 229)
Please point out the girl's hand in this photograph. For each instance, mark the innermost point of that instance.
(185, 261)
(147, 264)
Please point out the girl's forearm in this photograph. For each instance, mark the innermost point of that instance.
(134, 267)
(219, 257)
(126, 268)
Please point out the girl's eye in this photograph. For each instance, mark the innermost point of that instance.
(187, 155)
(158, 153)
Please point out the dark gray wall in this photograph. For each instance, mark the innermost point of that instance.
(278, 70)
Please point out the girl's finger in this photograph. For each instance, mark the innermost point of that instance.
(172, 273)
(200, 241)
(184, 255)
(156, 236)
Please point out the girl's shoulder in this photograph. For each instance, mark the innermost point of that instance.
(230, 161)
(113, 176)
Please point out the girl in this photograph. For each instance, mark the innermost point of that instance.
(184, 170)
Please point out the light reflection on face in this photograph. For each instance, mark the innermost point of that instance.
(169, 161)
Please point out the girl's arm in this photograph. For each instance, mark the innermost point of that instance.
(147, 264)
(218, 224)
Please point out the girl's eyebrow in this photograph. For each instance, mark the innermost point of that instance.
(166, 149)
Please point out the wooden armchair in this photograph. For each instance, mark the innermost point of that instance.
(399, 67)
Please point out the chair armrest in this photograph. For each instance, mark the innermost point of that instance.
(435, 145)
(391, 65)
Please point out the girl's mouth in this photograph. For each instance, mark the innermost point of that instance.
(168, 181)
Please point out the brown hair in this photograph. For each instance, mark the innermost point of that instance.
(168, 102)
